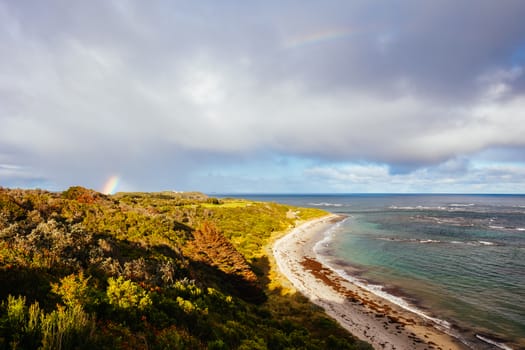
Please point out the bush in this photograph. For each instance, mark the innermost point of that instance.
(73, 289)
(31, 328)
(67, 328)
(126, 294)
(158, 271)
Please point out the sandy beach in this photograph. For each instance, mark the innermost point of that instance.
(369, 317)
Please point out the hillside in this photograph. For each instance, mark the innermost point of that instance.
(83, 270)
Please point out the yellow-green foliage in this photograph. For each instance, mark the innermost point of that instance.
(30, 327)
(251, 225)
(16, 310)
(227, 204)
(66, 328)
(73, 289)
(127, 294)
(143, 270)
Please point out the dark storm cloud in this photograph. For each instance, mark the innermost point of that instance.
(90, 89)
(428, 48)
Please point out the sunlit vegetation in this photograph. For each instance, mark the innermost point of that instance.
(83, 270)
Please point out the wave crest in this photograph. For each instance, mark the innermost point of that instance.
(326, 204)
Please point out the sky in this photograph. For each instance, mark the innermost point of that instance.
(263, 96)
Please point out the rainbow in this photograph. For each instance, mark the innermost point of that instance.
(317, 37)
(111, 184)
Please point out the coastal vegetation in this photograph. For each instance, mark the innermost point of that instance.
(166, 270)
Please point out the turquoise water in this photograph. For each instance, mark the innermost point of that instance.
(458, 258)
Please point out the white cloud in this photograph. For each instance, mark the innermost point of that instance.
(133, 88)
(451, 177)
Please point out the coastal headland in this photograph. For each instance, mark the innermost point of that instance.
(369, 317)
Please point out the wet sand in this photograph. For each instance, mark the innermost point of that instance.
(369, 317)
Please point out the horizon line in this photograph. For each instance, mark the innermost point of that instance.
(357, 193)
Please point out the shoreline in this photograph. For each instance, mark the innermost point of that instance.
(367, 316)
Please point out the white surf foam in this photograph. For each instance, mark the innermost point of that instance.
(419, 207)
(373, 288)
(326, 204)
(328, 235)
(380, 291)
(493, 342)
(486, 243)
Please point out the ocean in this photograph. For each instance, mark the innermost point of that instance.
(457, 259)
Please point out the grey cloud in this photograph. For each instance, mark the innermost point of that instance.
(428, 49)
(90, 89)
(440, 47)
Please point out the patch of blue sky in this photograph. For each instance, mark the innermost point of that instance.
(518, 56)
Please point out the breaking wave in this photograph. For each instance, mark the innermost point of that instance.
(326, 204)
(437, 241)
(493, 342)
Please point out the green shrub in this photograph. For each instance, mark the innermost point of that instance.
(127, 294)
(31, 328)
(67, 328)
(73, 289)
(16, 311)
